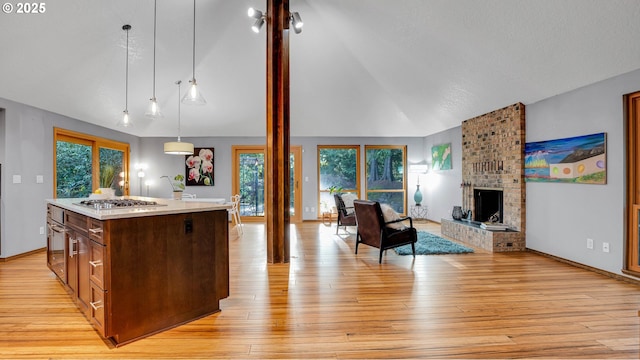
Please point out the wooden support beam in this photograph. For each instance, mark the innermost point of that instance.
(277, 155)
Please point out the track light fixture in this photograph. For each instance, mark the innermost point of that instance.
(254, 13)
(259, 16)
(294, 19)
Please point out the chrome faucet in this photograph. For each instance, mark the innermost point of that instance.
(169, 180)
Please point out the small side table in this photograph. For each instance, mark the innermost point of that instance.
(419, 212)
(327, 215)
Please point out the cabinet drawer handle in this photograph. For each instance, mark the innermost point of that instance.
(57, 228)
(96, 263)
(96, 231)
(96, 305)
(72, 246)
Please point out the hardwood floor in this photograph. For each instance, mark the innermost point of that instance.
(329, 303)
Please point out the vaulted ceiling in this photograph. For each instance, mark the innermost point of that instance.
(359, 68)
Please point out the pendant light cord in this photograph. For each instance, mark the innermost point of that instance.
(155, 21)
(194, 40)
(126, 79)
(178, 82)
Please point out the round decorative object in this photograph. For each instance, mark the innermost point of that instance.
(457, 213)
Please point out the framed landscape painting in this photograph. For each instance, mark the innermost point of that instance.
(441, 157)
(199, 167)
(580, 159)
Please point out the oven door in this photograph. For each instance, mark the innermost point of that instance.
(56, 258)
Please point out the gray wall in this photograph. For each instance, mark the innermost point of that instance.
(560, 217)
(27, 151)
(441, 189)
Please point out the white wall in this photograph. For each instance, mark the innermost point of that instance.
(27, 151)
(560, 217)
(441, 190)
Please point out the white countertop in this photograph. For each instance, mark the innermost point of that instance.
(165, 207)
(213, 200)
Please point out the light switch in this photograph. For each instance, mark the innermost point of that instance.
(17, 179)
(39, 179)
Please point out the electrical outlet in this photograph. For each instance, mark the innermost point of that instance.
(589, 243)
(41, 230)
(605, 247)
(188, 226)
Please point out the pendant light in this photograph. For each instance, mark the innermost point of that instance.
(194, 95)
(178, 147)
(153, 111)
(125, 121)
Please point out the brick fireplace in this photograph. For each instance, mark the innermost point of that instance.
(493, 177)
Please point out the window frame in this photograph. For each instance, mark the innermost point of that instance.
(357, 190)
(404, 173)
(96, 143)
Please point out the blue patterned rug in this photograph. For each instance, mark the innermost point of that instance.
(429, 244)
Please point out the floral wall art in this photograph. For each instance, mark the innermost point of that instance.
(199, 167)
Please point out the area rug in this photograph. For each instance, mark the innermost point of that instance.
(429, 244)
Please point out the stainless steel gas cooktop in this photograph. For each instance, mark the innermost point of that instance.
(117, 203)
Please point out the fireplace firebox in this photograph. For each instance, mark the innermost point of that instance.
(487, 203)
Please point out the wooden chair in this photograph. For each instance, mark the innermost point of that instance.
(374, 231)
(344, 218)
(235, 212)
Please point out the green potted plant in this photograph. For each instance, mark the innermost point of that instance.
(107, 174)
(178, 186)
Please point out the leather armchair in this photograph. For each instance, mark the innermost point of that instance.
(344, 217)
(374, 231)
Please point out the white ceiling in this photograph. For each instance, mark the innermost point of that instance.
(359, 68)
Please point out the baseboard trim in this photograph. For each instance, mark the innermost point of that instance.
(5, 259)
(587, 267)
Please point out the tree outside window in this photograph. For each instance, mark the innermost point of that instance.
(386, 175)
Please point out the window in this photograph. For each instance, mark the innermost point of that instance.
(84, 163)
(339, 169)
(386, 176)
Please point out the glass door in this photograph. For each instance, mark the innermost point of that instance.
(295, 174)
(248, 168)
(251, 184)
(632, 207)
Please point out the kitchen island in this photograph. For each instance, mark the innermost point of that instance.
(143, 267)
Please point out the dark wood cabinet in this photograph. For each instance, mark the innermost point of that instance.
(83, 291)
(72, 262)
(78, 258)
(142, 275)
(56, 242)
